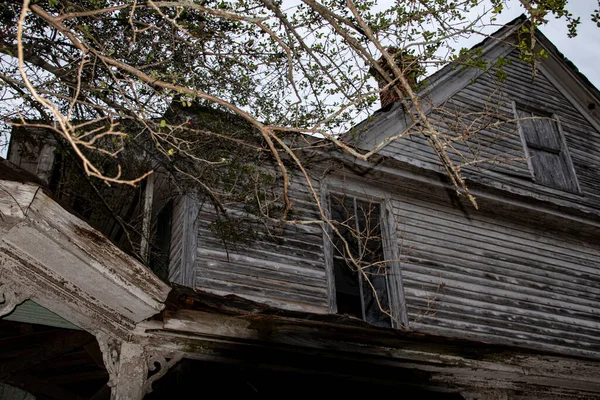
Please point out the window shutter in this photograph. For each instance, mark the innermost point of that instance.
(549, 158)
(547, 134)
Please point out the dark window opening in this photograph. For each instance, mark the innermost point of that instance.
(362, 285)
(548, 156)
(159, 257)
(83, 207)
(54, 180)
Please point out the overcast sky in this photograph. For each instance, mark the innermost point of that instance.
(583, 50)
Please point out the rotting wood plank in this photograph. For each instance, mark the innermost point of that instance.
(417, 232)
(271, 301)
(191, 331)
(523, 324)
(274, 271)
(422, 296)
(284, 300)
(255, 278)
(453, 328)
(250, 255)
(493, 226)
(486, 286)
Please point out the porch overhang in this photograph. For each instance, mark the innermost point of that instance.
(52, 257)
(232, 330)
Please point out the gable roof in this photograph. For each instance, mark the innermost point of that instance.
(390, 121)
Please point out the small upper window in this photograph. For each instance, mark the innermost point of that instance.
(361, 275)
(546, 151)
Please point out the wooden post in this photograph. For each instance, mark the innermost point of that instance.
(147, 219)
(133, 370)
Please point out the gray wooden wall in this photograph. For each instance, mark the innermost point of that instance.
(279, 265)
(509, 277)
(520, 271)
(501, 145)
(505, 274)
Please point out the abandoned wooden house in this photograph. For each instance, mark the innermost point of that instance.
(444, 300)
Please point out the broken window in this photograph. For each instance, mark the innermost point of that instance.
(159, 257)
(546, 151)
(360, 273)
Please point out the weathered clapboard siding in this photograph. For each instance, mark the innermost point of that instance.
(39, 161)
(281, 266)
(487, 277)
(502, 144)
(178, 226)
(519, 271)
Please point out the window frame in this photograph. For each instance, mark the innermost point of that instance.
(563, 152)
(391, 249)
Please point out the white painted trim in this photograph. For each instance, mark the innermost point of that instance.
(147, 217)
(564, 148)
(392, 252)
(523, 140)
(396, 298)
(567, 92)
(328, 250)
(419, 177)
(190, 241)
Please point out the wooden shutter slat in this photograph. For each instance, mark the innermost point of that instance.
(547, 133)
(528, 127)
(550, 170)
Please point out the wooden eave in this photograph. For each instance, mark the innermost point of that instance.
(230, 329)
(567, 78)
(57, 260)
(390, 121)
(383, 171)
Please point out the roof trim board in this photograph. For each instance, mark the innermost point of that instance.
(390, 122)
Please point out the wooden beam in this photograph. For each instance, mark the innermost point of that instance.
(446, 362)
(70, 268)
(147, 217)
(133, 371)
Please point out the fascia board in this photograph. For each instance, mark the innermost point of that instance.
(439, 90)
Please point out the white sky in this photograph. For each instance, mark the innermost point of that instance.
(583, 50)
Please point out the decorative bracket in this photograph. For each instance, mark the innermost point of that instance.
(136, 365)
(111, 354)
(11, 298)
(155, 357)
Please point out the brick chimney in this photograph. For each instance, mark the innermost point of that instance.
(407, 63)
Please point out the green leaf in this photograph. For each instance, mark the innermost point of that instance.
(163, 123)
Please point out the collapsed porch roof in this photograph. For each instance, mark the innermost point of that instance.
(49, 255)
(230, 329)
